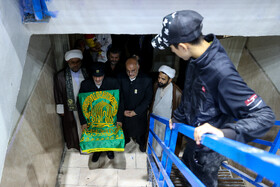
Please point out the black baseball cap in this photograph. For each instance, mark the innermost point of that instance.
(97, 69)
(178, 27)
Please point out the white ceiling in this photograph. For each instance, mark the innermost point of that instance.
(222, 17)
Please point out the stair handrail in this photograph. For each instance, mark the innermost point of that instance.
(248, 156)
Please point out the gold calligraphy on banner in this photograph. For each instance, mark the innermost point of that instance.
(99, 135)
(102, 112)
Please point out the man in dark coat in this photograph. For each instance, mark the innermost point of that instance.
(66, 88)
(214, 94)
(114, 66)
(138, 93)
(99, 82)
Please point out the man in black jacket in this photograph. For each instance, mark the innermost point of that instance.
(214, 93)
(137, 91)
(114, 66)
(99, 82)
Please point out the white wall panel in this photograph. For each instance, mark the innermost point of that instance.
(10, 74)
(266, 51)
(14, 40)
(237, 18)
(234, 47)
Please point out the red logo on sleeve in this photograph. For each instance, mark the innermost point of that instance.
(251, 99)
(203, 89)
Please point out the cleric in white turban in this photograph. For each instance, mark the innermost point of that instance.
(66, 89)
(75, 53)
(166, 100)
(170, 72)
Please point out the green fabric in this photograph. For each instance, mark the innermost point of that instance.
(100, 110)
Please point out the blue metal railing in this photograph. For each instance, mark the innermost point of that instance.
(274, 146)
(250, 157)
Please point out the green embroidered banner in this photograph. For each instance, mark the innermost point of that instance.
(100, 110)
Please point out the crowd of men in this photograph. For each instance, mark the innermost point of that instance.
(213, 95)
(86, 72)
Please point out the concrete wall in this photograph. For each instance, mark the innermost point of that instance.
(266, 51)
(21, 65)
(38, 49)
(234, 47)
(34, 152)
(14, 41)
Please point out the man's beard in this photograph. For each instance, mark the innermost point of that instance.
(161, 85)
(114, 62)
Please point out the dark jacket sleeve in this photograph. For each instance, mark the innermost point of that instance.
(121, 103)
(238, 100)
(120, 109)
(147, 98)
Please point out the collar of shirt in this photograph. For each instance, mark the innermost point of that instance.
(98, 86)
(132, 79)
(76, 75)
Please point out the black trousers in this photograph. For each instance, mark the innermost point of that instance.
(141, 139)
(203, 162)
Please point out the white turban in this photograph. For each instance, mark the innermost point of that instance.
(75, 53)
(167, 70)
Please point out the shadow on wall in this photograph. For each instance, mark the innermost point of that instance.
(35, 150)
(39, 47)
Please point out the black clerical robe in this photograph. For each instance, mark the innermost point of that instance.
(69, 125)
(137, 95)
